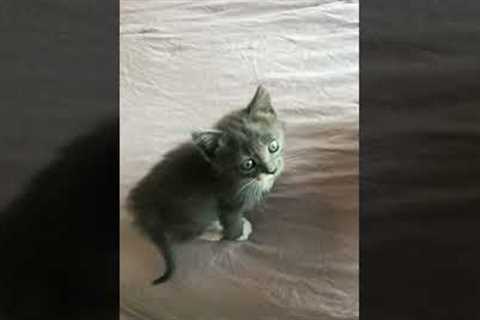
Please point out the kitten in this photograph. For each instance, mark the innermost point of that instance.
(209, 183)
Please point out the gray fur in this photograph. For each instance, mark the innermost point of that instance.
(202, 180)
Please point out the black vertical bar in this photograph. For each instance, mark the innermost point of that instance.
(419, 159)
(59, 89)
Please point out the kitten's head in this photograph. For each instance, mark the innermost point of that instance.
(247, 146)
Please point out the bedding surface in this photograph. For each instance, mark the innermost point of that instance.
(183, 64)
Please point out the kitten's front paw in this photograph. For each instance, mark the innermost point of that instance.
(247, 230)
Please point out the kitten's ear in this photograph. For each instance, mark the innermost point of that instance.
(261, 103)
(207, 142)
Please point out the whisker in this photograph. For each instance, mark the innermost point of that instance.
(245, 185)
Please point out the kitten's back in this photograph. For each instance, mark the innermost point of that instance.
(179, 184)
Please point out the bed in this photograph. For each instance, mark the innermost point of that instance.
(185, 63)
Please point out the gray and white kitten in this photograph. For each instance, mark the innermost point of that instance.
(209, 183)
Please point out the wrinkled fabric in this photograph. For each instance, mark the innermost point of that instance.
(183, 64)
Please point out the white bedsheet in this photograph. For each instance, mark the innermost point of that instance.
(185, 63)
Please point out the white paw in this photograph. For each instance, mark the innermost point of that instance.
(247, 230)
(211, 236)
(214, 232)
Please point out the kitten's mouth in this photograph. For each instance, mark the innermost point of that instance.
(265, 181)
(265, 176)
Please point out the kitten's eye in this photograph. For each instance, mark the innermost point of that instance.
(248, 165)
(273, 147)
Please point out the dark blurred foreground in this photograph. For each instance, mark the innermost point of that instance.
(59, 238)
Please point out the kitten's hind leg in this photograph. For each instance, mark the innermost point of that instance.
(211, 236)
(214, 232)
(186, 232)
(215, 226)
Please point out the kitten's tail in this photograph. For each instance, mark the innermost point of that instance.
(165, 247)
